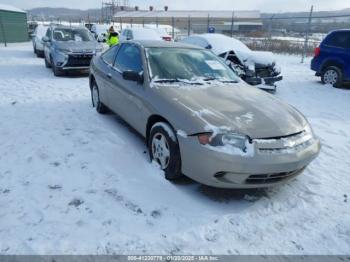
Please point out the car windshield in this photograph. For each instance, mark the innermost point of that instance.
(68, 34)
(187, 65)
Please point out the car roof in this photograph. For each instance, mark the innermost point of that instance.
(139, 29)
(160, 43)
(68, 27)
(341, 30)
(221, 43)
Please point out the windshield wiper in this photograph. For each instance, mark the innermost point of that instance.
(229, 81)
(219, 79)
(167, 81)
(176, 80)
(210, 78)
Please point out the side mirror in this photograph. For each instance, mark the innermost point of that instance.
(208, 47)
(128, 38)
(45, 39)
(133, 76)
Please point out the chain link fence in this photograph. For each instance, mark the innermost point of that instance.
(297, 35)
(279, 33)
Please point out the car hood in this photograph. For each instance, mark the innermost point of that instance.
(75, 46)
(221, 45)
(236, 107)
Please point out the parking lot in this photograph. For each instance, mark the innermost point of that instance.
(69, 175)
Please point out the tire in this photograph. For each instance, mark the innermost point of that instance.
(39, 54)
(95, 99)
(56, 71)
(47, 64)
(164, 149)
(332, 75)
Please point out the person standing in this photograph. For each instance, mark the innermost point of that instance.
(113, 37)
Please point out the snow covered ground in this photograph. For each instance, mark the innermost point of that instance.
(75, 182)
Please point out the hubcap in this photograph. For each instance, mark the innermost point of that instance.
(330, 77)
(95, 97)
(161, 150)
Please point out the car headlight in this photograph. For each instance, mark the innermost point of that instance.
(308, 130)
(98, 50)
(277, 69)
(236, 140)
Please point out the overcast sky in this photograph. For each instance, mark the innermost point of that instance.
(263, 5)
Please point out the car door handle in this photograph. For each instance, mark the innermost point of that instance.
(109, 75)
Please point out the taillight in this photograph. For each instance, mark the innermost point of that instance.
(317, 51)
(167, 38)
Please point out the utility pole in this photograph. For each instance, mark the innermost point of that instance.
(189, 25)
(208, 23)
(270, 26)
(173, 27)
(307, 35)
(232, 23)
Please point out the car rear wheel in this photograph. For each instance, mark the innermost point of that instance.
(332, 75)
(164, 149)
(96, 102)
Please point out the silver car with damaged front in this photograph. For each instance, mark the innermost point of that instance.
(199, 118)
(69, 48)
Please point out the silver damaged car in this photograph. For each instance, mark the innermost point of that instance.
(69, 48)
(198, 118)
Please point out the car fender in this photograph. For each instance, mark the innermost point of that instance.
(332, 61)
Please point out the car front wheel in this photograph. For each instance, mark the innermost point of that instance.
(96, 102)
(164, 149)
(333, 76)
(55, 69)
(47, 64)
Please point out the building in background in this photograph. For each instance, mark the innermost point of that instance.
(195, 21)
(13, 24)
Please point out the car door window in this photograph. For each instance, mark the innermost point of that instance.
(340, 39)
(109, 56)
(129, 58)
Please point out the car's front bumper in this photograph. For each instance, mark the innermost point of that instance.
(73, 61)
(224, 170)
(266, 83)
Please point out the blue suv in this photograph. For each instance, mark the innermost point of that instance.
(332, 59)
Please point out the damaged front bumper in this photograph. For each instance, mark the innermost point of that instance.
(265, 83)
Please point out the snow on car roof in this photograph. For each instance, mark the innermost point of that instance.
(41, 30)
(11, 8)
(161, 43)
(145, 34)
(222, 44)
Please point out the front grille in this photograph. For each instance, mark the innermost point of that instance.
(263, 72)
(270, 178)
(79, 60)
(284, 145)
